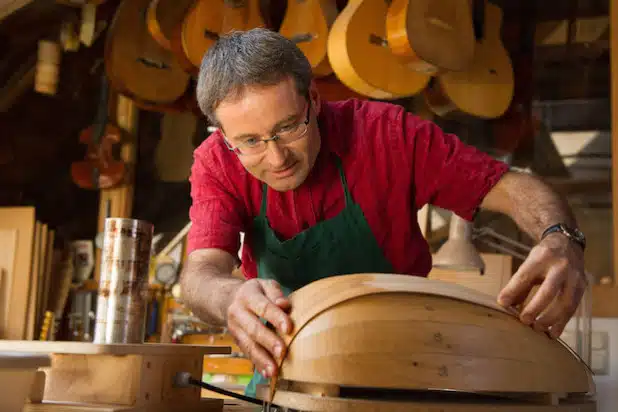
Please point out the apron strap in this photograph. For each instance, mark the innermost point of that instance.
(264, 193)
(344, 182)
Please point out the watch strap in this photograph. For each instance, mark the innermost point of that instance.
(565, 230)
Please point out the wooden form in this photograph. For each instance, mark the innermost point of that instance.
(415, 335)
(25, 272)
(119, 377)
(18, 374)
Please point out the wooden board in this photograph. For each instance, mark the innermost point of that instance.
(206, 405)
(20, 360)
(8, 245)
(86, 348)
(21, 219)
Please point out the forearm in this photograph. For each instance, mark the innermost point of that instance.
(532, 204)
(208, 291)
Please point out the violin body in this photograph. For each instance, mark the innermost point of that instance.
(99, 169)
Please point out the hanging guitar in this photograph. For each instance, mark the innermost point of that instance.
(99, 169)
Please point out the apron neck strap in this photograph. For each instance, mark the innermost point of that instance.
(344, 183)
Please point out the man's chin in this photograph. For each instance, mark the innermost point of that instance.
(284, 185)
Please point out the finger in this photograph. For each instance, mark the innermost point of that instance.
(262, 360)
(569, 302)
(520, 284)
(263, 307)
(273, 291)
(259, 332)
(546, 293)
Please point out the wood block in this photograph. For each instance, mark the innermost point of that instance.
(17, 373)
(131, 376)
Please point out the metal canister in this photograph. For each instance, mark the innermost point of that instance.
(123, 284)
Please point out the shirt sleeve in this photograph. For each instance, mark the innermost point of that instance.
(216, 213)
(447, 172)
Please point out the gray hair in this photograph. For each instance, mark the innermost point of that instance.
(245, 58)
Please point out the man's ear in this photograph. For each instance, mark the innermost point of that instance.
(314, 96)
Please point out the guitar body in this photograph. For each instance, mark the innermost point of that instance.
(254, 15)
(210, 18)
(136, 64)
(307, 23)
(163, 17)
(360, 57)
(486, 88)
(432, 35)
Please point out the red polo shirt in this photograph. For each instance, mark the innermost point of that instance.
(394, 163)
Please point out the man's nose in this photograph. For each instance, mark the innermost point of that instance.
(275, 154)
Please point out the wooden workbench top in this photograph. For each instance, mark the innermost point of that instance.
(87, 348)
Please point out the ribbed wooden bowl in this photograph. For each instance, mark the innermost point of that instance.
(404, 332)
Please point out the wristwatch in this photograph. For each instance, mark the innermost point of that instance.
(572, 233)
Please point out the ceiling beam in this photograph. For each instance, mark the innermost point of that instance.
(7, 7)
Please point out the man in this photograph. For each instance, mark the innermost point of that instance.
(327, 188)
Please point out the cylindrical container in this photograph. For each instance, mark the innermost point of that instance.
(47, 68)
(123, 284)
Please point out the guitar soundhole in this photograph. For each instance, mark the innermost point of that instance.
(493, 71)
(209, 34)
(377, 40)
(302, 38)
(153, 64)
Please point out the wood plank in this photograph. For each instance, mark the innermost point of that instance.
(614, 107)
(8, 246)
(34, 280)
(23, 220)
(120, 199)
(7, 7)
(88, 348)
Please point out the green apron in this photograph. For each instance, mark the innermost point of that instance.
(341, 245)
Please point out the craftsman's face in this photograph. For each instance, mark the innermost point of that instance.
(261, 112)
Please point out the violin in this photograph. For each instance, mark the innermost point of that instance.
(99, 169)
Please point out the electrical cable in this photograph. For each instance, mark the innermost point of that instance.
(184, 379)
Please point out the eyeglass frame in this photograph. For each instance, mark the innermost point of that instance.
(275, 137)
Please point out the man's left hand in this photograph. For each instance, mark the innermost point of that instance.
(557, 264)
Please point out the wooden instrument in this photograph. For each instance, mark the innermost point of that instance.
(164, 17)
(210, 18)
(486, 88)
(410, 343)
(99, 169)
(360, 56)
(307, 22)
(136, 64)
(431, 35)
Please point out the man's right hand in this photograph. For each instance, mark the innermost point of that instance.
(255, 299)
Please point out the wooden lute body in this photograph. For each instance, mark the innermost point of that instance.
(404, 333)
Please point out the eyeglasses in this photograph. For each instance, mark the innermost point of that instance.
(287, 135)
